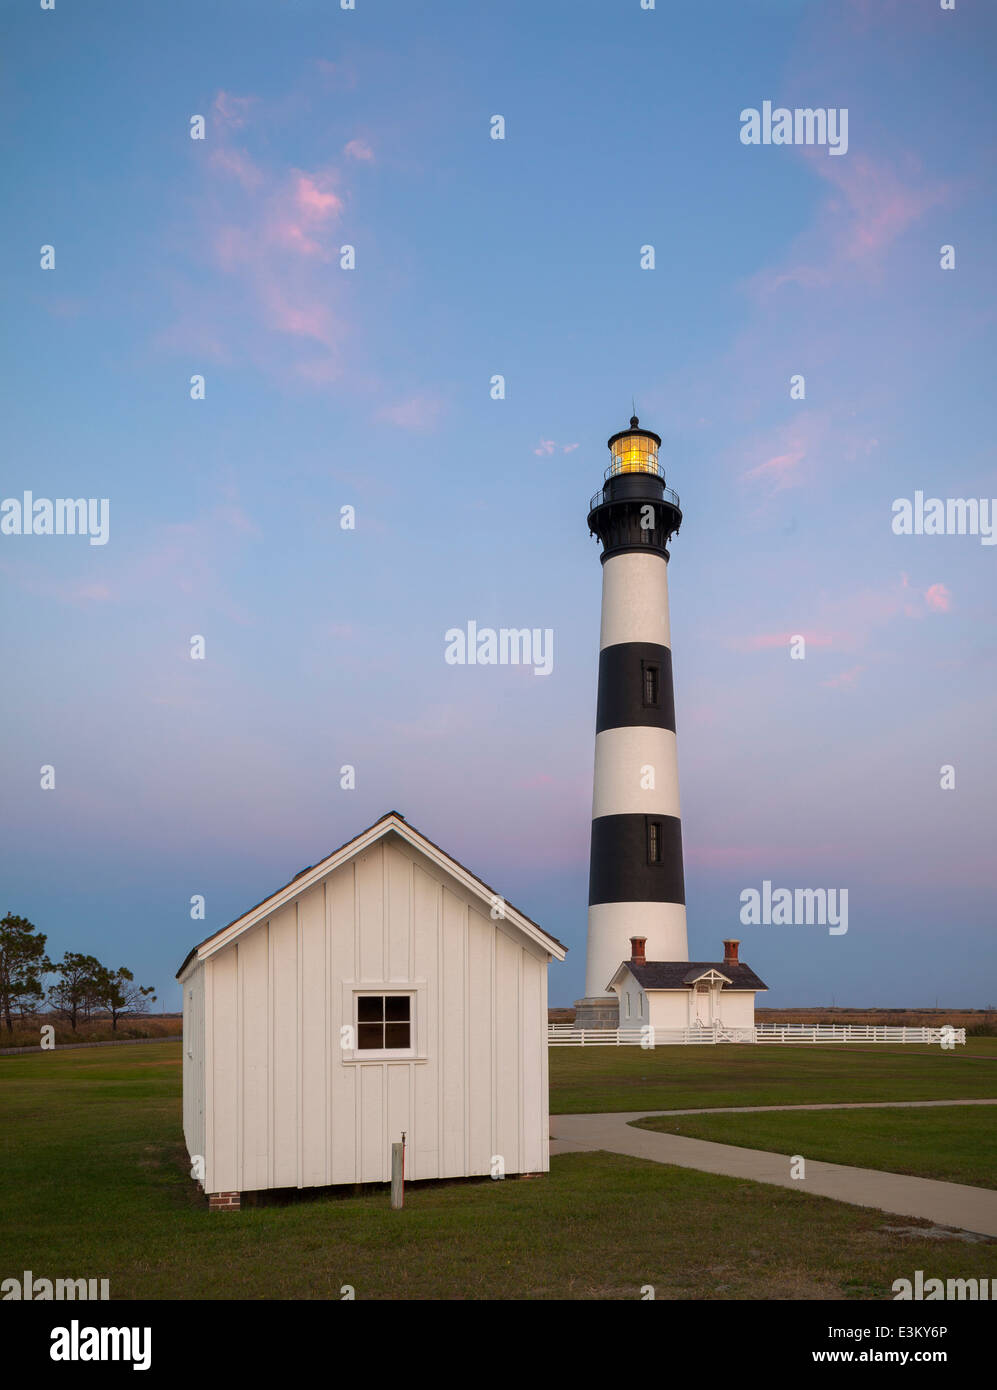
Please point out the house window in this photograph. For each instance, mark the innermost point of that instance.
(628, 1003)
(653, 842)
(384, 1022)
(650, 674)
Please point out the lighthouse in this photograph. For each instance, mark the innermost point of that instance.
(636, 882)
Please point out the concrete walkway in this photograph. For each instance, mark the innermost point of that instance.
(944, 1203)
(827, 1105)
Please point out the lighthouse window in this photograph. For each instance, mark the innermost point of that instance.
(654, 842)
(650, 671)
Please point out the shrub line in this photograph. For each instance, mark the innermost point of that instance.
(115, 1042)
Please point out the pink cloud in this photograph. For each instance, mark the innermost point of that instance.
(239, 165)
(269, 229)
(548, 446)
(314, 202)
(231, 247)
(338, 75)
(765, 641)
(780, 469)
(847, 622)
(299, 320)
(869, 208)
(296, 216)
(293, 237)
(935, 599)
(233, 111)
(416, 413)
(938, 598)
(189, 557)
(787, 453)
(844, 680)
(358, 149)
(320, 372)
(879, 206)
(751, 857)
(535, 783)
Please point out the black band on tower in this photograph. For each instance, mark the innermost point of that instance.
(635, 687)
(636, 859)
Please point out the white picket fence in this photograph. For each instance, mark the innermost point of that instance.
(564, 1035)
(855, 1032)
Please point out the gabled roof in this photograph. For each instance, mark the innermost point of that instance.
(683, 974)
(390, 823)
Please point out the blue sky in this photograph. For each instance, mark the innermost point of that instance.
(370, 388)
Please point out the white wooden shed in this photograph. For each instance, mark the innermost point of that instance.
(385, 989)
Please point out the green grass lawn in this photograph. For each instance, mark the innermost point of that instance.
(955, 1144)
(590, 1079)
(93, 1183)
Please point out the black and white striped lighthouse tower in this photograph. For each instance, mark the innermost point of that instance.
(636, 884)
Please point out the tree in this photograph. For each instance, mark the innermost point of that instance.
(22, 964)
(77, 976)
(117, 992)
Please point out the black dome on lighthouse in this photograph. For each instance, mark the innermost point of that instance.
(634, 429)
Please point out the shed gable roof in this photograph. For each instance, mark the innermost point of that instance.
(391, 822)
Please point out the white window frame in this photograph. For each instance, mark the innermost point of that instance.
(418, 1030)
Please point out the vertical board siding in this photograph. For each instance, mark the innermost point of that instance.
(316, 1040)
(285, 1033)
(256, 1033)
(535, 1121)
(424, 1160)
(370, 924)
(479, 1043)
(193, 1062)
(507, 1015)
(344, 1081)
(226, 1080)
(452, 1060)
(370, 1124)
(286, 1107)
(398, 884)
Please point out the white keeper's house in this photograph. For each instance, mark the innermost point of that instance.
(385, 990)
(685, 993)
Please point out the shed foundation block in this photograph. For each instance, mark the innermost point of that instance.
(224, 1201)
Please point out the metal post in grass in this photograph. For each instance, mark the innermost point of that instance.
(398, 1175)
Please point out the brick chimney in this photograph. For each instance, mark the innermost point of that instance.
(730, 952)
(637, 944)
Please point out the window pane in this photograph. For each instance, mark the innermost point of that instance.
(370, 1035)
(653, 850)
(396, 1035)
(396, 1007)
(370, 1008)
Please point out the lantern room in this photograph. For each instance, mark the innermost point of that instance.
(634, 450)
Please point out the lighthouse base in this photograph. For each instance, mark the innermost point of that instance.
(597, 1012)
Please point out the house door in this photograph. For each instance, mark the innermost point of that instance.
(703, 1011)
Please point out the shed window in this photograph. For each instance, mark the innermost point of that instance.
(384, 1022)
